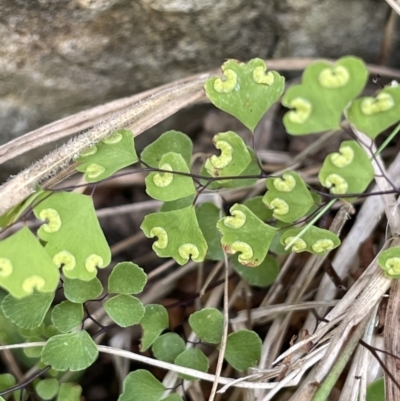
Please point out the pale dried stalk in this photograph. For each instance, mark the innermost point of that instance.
(274, 338)
(154, 362)
(266, 313)
(392, 210)
(320, 336)
(78, 122)
(351, 329)
(367, 219)
(392, 324)
(140, 117)
(222, 346)
(392, 341)
(347, 335)
(355, 386)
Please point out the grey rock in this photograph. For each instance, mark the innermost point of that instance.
(58, 57)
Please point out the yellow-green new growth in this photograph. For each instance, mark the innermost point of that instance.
(337, 184)
(113, 138)
(33, 282)
(228, 85)
(65, 259)
(322, 245)
(237, 220)
(335, 77)
(246, 252)
(221, 161)
(298, 246)
(285, 184)
(393, 266)
(189, 250)
(164, 179)
(93, 261)
(302, 110)
(53, 218)
(342, 158)
(6, 267)
(383, 102)
(279, 206)
(94, 170)
(261, 77)
(161, 234)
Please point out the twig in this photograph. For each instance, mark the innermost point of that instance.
(225, 332)
(392, 341)
(356, 381)
(167, 366)
(367, 219)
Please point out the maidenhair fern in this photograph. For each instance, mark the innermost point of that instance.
(69, 247)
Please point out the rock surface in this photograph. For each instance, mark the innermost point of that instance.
(58, 57)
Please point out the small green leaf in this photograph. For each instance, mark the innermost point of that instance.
(7, 381)
(67, 315)
(373, 115)
(315, 240)
(243, 349)
(124, 309)
(9, 332)
(69, 392)
(389, 261)
(244, 232)
(234, 157)
(257, 206)
(127, 278)
(73, 234)
(179, 235)
(105, 158)
(318, 102)
(79, 291)
(168, 346)
(28, 312)
(192, 358)
(154, 322)
(167, 186)
(247, 90)
(208, 325)
(170, 141)
(141, 385)
(376, 390)
(47, 389)
(347, 171)
(21, 272)
(288, 197)
(260, 276)
(207, 215)
(73, 351)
